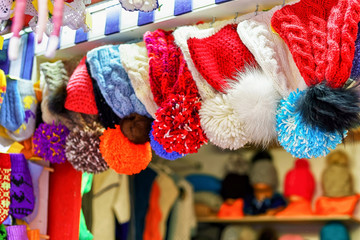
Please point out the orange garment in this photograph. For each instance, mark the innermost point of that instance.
(234, 210)
(336, 206)
(33, 234)
(296, 208)
(153, 216)
(28, 149)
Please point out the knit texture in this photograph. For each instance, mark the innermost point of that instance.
(80, 94)
(82, 149)
(299, 181)
(321, 37)
(26, 130)
(5, 171)
(21, 190)
(107, 116)
(219, 56)
(12, 113)
(3, 233)
(113, 81)
(17, 232)
(134, 58)
(177, 124)
(49, 142)
(122, 155)
(355, 71)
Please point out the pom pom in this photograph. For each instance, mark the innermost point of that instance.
(221, 124)
(49, 142)
(255, 101)
(330, 109)
(177, 125)
(136, 128)
(122, 155)
(56, 102)
(160, 151)
(82, 150)
(298, 138)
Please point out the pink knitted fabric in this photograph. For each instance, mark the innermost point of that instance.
(80, 94)
(321, 36)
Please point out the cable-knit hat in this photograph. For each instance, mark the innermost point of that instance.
(113, 81)
(257, 92)
(321, 36)
(134, 58)
(122, 155)
(177, 123)
(80, 94)
(300, 181)
(217, 116)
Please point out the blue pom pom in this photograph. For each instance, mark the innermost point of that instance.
(298, 138)
(160, 151)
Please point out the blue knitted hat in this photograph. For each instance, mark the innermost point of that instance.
(12, 113)
(334, 231)
(355, 71)
(113, 81)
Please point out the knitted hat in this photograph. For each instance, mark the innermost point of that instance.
(107, 116)
(53, 77)
(234, 232)
(80, 93)
(113, 81)
(2, 86)
(136, 128)
(12, 113)
(206, 63)
(16, 232)
(30, 104)
(291, 237)
(49, 142)
(257, 92)
(122, 155)
(321, 37)
(139, 5)
(134, 58)
(355, 71)
(177, 123)
(337, 180)
(82, 149)
(263, 171)
(334, 231)
(300, 181)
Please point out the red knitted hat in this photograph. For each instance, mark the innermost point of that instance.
(321, 36)
(177, 124)
(219, 56)
(80, 95)
(300, 181)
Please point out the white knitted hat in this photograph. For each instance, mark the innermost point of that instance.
(217, 116)
(256, 94)
(134, 58)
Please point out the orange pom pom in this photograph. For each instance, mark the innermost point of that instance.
(122, 155)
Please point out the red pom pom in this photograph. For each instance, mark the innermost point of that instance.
(177, 124)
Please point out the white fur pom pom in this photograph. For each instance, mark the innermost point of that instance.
(255, 100)
(220, 123)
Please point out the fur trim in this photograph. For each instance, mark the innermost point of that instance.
(56, 102)
(330, 109)
(255, 100)
(220, 123)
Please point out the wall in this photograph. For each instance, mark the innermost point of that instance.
(212, 160)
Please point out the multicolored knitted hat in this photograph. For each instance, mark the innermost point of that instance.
(82, 149)
(113, 81)
(80, 93)
(256, 94)
(300, 181)
(139, 5)
(213, 55)
(321, 36)
(49, 142)
(134, 58)
(177, 124)
(122, 155)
